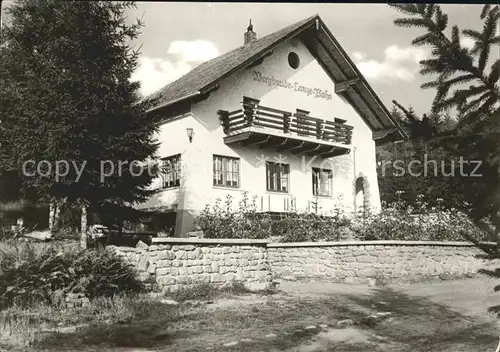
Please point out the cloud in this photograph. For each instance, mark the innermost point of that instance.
(467, 42)
(154, 73)
(408, 54)
(383, 71)
(182, 57)
(194, 51)
(358, 56)
(399, 64)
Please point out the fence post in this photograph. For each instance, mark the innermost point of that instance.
(224, 120)
(319, 129)
(286, 122)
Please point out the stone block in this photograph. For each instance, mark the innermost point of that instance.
(162, 271)
(204, 278)
(143, 264)
(141, 245)
(216, 278)
(215, 267)
(181, 255)
(152, 269)
(229, 277)
(167, 280)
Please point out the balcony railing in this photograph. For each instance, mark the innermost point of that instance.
(298, 123)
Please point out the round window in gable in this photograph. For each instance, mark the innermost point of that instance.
(293, 60)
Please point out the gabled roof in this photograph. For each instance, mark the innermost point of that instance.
(211, 71)
(331, 56)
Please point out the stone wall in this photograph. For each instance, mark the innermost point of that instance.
(360, 262)
(173, 263)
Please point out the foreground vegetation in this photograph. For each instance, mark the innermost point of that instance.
(33, 273)
(123, 320)
(397, 221)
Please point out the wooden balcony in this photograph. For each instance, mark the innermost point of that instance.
(299, 133)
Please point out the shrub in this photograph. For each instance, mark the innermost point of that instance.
(303, 227)
(418, 223)
(221, 221)
(224, 222)
(397, 221)
(31, 274)
(307, 226)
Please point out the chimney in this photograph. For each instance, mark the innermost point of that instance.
(250, 35)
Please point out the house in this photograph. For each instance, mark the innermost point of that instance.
(287, 118)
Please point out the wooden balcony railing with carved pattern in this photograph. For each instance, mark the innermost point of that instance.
(294, 124)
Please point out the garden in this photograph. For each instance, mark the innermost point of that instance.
(396, 221)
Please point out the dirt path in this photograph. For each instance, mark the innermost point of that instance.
(443, 316)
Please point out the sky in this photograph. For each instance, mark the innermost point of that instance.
(177, 37)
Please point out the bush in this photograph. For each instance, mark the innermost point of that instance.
(305, 227)
(398, 221)
(245, 222)
(418, 223)
(224, 222)
(31, 274)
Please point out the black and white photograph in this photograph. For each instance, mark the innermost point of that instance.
(216, 176)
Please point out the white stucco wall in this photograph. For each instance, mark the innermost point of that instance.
(197, 189)
(173, 140)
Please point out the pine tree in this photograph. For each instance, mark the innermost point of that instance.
(69, 96)
(477, 132)
(476, 99)
(455, 65)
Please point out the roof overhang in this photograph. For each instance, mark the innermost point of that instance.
(171, 102)
(349, 82)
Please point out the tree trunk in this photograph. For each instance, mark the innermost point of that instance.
(20, 224)
(57, 215)
(83, 228)
(51, 215)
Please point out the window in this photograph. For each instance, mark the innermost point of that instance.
(226, 171)
(322, 182)
(171, 171)
(277, 177)
(293, 60)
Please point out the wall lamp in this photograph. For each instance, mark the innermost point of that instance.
(190, 134)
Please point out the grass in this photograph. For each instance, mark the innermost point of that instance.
(121, 321)
(143, 320)
(207, 292)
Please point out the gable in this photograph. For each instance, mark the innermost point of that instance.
(277, 85)
(312, 32)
